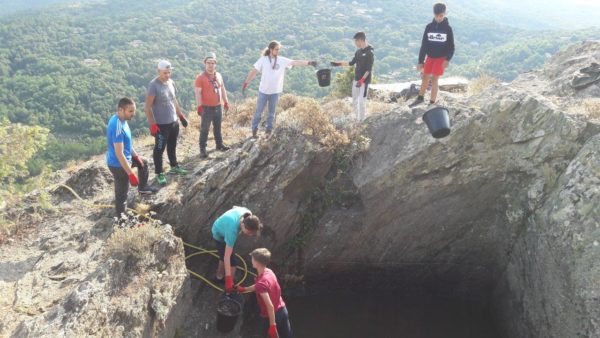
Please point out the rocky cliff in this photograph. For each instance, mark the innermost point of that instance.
(504, 210)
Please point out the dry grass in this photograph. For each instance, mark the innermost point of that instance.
(6, 228)
(310, 118)
(287, 101)
(480, 84)
(135, 242)
(337, 108)
(306, 115)
(377, 107)
(591, 108)
(236, 122)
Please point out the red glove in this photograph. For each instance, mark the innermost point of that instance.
(154, 129)
(241, 289)
(244, 86)
(136, 159)
(226, 106)
(273, 331)
(229, 284)
(133, 179)
(360, 82)
(184, 121)
(199, 110)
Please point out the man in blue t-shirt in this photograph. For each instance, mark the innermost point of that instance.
(121, 157)
(225, 231)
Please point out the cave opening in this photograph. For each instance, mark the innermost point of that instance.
(408, 301)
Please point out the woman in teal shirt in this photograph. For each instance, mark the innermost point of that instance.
(225, 231)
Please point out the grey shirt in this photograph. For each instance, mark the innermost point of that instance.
(164, 101)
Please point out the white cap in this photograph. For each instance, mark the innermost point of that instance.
(210, 55)
(164, 65)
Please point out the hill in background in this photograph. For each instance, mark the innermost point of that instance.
(64, 66)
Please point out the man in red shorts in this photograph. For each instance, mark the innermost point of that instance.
(438, 47)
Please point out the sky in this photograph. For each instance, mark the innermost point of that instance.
(535, 14)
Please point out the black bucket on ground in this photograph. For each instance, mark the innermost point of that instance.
(324, 77)
(229, 308)
(437, 121)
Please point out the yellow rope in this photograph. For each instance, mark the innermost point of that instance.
(201, 251)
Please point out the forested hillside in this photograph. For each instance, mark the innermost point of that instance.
(65, 66)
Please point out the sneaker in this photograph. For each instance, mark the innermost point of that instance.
(178, 170)
(147, 190)
(223, 147)
(218, 281)
(161, 179)
(416, 102)
(203, 153)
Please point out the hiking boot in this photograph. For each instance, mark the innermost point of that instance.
(254, 133)
(147, 190)
(416, 102)
(203, 153)
(161, 179)
(177, 170)
(268, 133)
(223, 147)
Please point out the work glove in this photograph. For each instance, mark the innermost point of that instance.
(360, 82)
(241, 289)
(229, 284)
(199, 110)
(133, 180)
(335, 63)
(154, 129)
(226, 106)
(312, 63)
(244, 86)
(184, 121)
(137, 159)
(273, 331)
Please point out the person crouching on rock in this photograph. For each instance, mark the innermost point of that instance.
(268, 294)
(121, 157)
(225, 230)
(272, 67)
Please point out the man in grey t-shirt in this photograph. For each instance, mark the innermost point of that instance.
(162, 111)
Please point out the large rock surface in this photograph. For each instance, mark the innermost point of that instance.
(60, 281)
(504, 210)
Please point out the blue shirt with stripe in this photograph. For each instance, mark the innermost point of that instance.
(117, 132)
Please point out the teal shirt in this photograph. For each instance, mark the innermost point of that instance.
(227, 227)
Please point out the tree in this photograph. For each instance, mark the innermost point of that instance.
(18, 144)
(342, 84)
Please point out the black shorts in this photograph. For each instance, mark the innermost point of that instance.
(221, 252)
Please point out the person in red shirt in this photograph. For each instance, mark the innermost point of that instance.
(268, 295)
(211, 97)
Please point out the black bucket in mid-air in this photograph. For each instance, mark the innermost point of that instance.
(437, 121)
(229, 308)
(324, 77)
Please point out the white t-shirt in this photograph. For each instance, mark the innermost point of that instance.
(271, 80)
